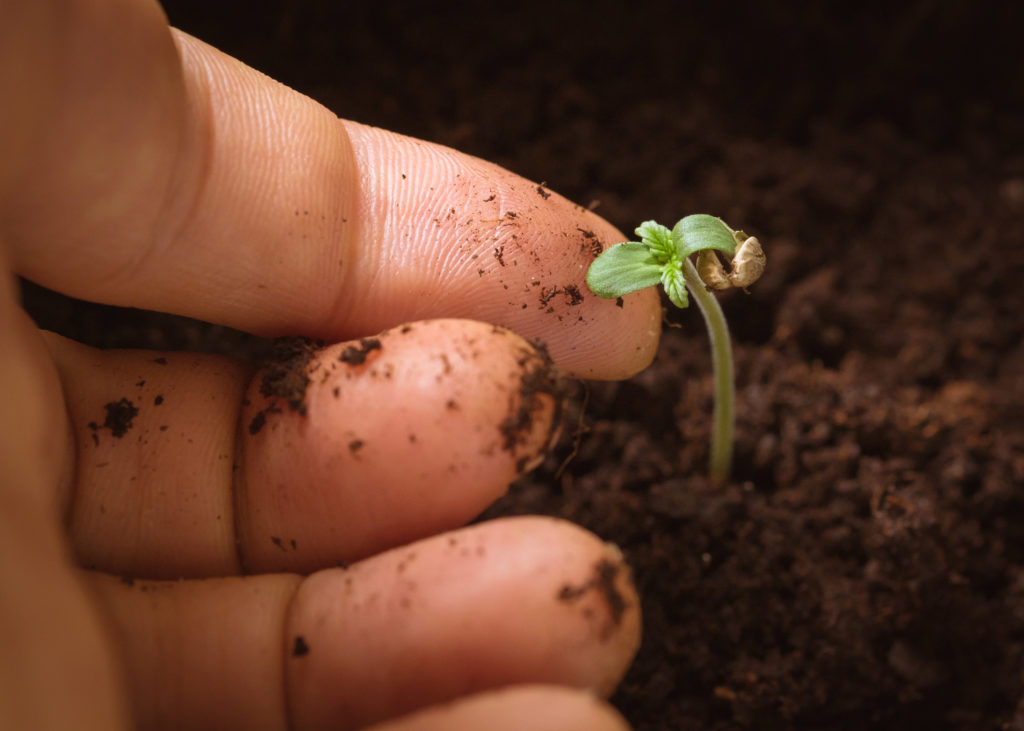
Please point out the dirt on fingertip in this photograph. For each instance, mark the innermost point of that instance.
(285, 371)
(603, 582)
(119, 417)
(284, 377)
(357, 354)
(541, 386)
(300, 648)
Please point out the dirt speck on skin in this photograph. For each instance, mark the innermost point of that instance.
(284, 372)
(591, 244)
(573, 296)
(285, 377)
(603, 581)
(258, 422)
(570, 293)
(357, 354)
(299, 647)
(540, 381)
(499, 254)
(120, 415)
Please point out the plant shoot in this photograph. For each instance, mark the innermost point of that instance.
(663, 256)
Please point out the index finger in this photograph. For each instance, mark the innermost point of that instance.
(163, 174)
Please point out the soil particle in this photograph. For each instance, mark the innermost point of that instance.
(547, 294)
(355, 445)
(357, 354)
(603, 581)
(285, 373)
(499, 254)
(542, 192)
(160, 361)
(540, 381)
(570, 293)
(591, 244)
(258, 422)
(120, 415)
(299, 647)
(573, 296)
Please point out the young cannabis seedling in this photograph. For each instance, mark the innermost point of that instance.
(663, 256)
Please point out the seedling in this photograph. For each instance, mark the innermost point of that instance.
(663, 256)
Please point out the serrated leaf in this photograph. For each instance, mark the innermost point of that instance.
(675, 287)
(658, 239)
(699, 232)
(622, 269)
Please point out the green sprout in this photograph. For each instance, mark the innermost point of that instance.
(663, 256)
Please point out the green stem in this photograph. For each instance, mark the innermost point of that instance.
(721, 363)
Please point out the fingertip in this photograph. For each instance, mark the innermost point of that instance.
(368, 444)
(462, 237)
(515, 600)
(537, 707)
(621, 341)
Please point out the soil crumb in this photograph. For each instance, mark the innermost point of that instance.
(284, 371)
(573, 296)
(357, 354)
(602, 581)
(590, 244)
(285, 377)
(540, 380)
(120, 415)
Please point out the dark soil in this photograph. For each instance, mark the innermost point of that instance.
(356, 354)
(284, 375)
(864, 568)
(119, 417)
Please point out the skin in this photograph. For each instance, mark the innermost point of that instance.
(141, 167)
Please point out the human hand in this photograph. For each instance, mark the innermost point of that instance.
(140, 167)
